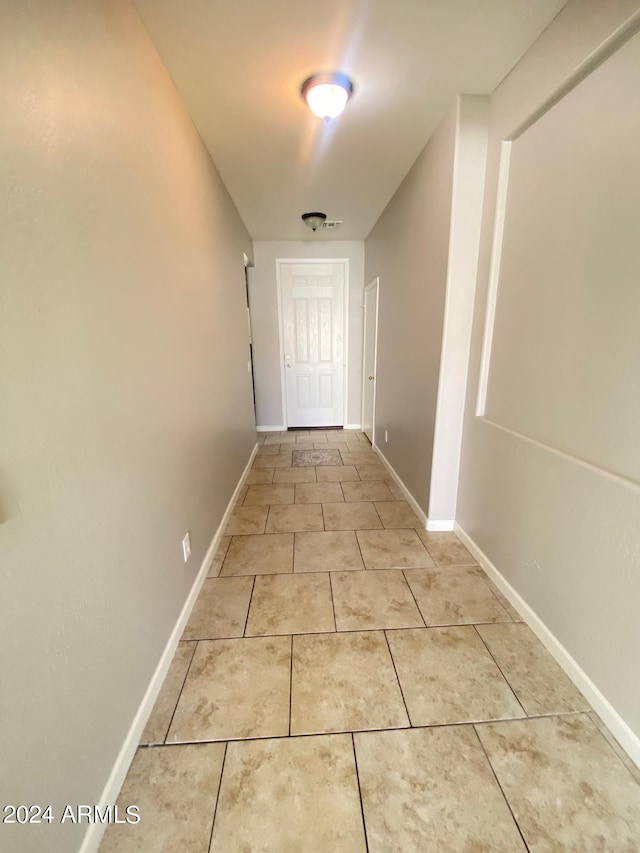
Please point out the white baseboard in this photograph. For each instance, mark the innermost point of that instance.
(271, 428)
(440, 525)
(627, 739)
(95, 831)
(352, 426)
(405, 491)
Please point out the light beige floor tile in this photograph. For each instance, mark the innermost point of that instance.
(295, 475)
(267, 495)
(157, 725)
(448, 676)
(446, 549)
(260, 437)
(175, 789)
(373, 600)
(295, 518)
(221, 609)
(372, 472)
(360, 457)
(268, 450)
(395, 514)
(337, 473)
(291, 604)
(350, 516)
(327, 550)
(432, 790)
(318, 439)
(455, 595)
(235, 689)
(242, 495)
(392, 549)
(307, 444)
(300, 434)
(259, 555)
(280, 460)
(615, 746)
(568, 790)
(335, 445)
(504, 601)
(316, 457)
(536, 679)
(344, 682)
(216, 565)
(278, 438)
(340, 436)
(246, 520)
(317, 493)
(396, 492)
(259, 476)
(374, 490)
(293, 794)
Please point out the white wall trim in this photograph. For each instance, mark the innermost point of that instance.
(278, 428)
(494, 275)
(353, 426)
(93, 836)
(440, 526)
(629, 741)
(413, 503)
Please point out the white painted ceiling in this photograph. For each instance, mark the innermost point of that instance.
(238, 66)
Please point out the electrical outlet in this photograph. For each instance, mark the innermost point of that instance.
(186, 546)
(386, 436)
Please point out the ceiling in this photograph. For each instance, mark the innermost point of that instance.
(238, 66)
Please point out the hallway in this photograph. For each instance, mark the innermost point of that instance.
(349, 681)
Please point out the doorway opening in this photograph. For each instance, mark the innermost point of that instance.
(370, 358)
(250, 364)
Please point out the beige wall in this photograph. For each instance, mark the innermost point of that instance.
(549, 487)
(263, 297)
(408, 249)
(125, 413)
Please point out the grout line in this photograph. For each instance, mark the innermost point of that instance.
(361, 554)
(397, 676)
(495, 776)
(356, 630)
(364, 823)
(406, 580)
(365, 731)
(293, 560)
(324, 526)
(215, 810)
(246, 621)
(499, 667)
(184, 681)
(333, 604)
(290, 683)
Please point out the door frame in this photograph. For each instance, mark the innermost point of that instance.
(345, 331)
(375, 283)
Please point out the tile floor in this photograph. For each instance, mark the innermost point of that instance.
(349, 682)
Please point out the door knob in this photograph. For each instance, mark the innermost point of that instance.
(371, 377)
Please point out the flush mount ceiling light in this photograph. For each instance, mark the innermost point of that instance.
(314, 220)
(327, 94)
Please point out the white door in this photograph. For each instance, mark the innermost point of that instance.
(312, 327)
(369, 361)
